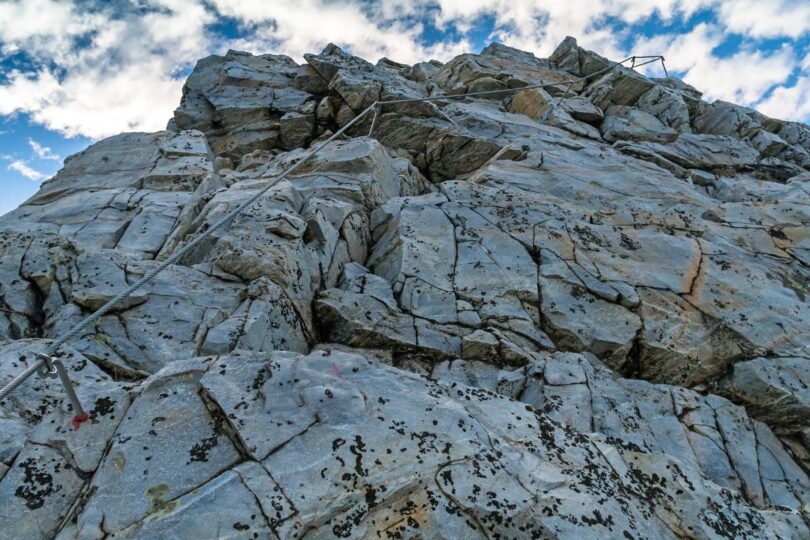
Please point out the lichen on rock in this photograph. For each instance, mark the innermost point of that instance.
(575, 311)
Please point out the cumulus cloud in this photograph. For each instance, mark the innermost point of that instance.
(540, 25)
(42, 152)
(25, 170)
(295, 27)
(39, 21)
(104, 71)
(788, 102)
(774, 18)
(104, 67)
(744, 77)
(96, 103)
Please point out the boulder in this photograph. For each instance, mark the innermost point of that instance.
(630, 124)
(237, 100)
(773, 390)
(501, 65)
(582, 109)
(669, 106)
(539, 105)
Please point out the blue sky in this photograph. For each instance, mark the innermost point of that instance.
(75, 71)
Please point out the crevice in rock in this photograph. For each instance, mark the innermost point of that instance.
(38, 318)
(534, 253)
(169, 503)
(223, 424)
(453, 499)
(633, 368)
(723, 446)
(285, 443)
(116, 372)
(84, 496)
(259, 505)
(691, 289)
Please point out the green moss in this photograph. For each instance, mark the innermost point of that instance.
(157, 498)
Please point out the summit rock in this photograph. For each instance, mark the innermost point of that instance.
(581, 310)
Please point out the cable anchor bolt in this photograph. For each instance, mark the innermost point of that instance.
(46, 369)
(53, 367)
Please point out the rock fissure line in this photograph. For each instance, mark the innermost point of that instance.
(602, 271)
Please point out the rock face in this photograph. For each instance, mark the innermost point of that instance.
(575, 311)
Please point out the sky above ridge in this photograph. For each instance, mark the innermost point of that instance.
(75, 71)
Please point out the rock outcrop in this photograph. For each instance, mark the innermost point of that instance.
(575, 311)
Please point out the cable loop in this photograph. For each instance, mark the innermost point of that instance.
(47, 369)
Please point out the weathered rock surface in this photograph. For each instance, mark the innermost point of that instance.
(629, 124)
(127, 193)
(238, 100)
(573, 311)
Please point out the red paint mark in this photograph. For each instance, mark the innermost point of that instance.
(79, 419)
(334, 370)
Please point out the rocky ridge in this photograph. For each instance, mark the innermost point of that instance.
(557, 312)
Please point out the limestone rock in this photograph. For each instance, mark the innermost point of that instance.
(668, 105)
(708, 152)
(361, 426)
(539, 105)
(629, 124)
(127, 192)
(620, 86)
(296, 129)
(424, 72)
(504, 66)
(237, 100)
(580, 392)
(582, 109)
(443, 150)
(774, 390)
(572, 311)
(359, 83)
(572, 58)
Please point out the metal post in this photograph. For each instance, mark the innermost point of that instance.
(53, 367)
(440, 111)
(567, 89)
(377, 107)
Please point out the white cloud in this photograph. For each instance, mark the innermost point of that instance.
(766, 19)
(39, 19)
(137, 97)
(24, 93)
(121, 79)
(744, 77)
(540, 25)
(42, 152)
(295, 27)
(22, 168)
(788, 102)
(125, 75)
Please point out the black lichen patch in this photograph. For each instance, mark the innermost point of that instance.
(37, 483)
(103, 406)
(199, 452)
